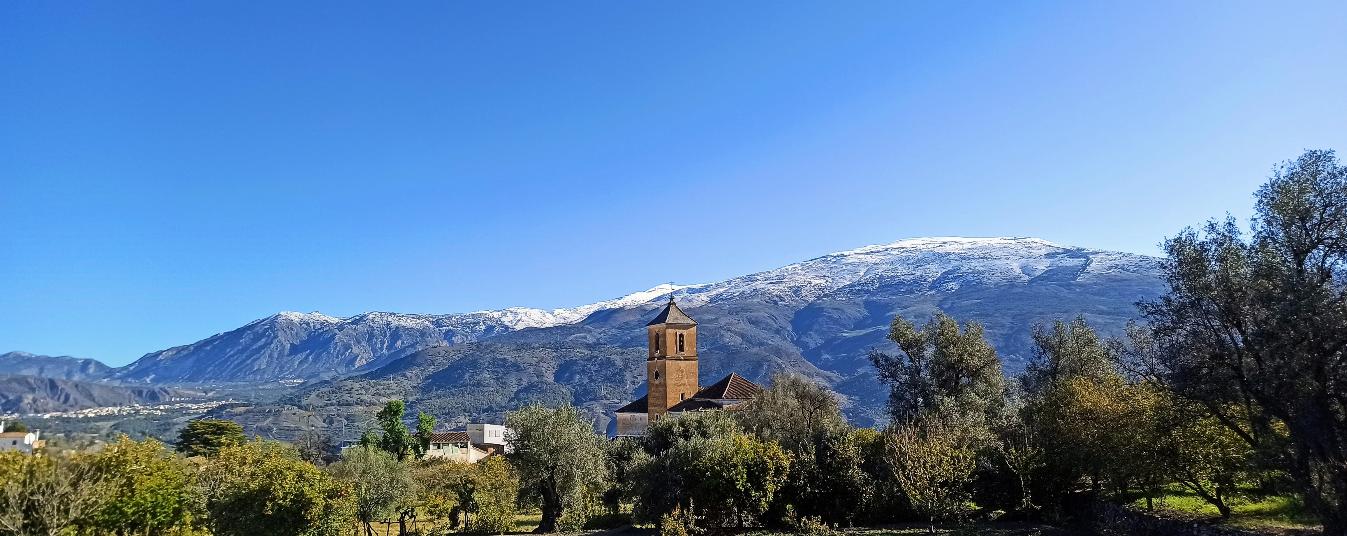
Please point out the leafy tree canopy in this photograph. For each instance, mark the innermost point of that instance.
(1256, 325)
(263, 487)
(558, 456)
(205, 437)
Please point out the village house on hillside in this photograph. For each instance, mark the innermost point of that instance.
(476, 442)
(455, 446)
(471, 445)
(672, 382)
(25, 442)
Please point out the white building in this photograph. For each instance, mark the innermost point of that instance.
(490, 435)
(456, 446)
(25, 442)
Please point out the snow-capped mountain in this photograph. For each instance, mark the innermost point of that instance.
(817, 317)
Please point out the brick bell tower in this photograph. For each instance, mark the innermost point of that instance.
(671, 369)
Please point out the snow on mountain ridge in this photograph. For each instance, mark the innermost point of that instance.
(960, 259)
(313, 345)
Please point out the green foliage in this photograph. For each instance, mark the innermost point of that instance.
(679, 522)
(792, 412)
(46, 495)
(742, 476)
(711, 469)
(884, 501)
(484, 494)
(445, 488)
(623, 457)
(1203, 455)
(665, 433)
(813, 526)
(944, 369)
(395, 438)
(149, 490)
(1019, 452)
(205, 437)
(1068, 350)
(425, 426)
(933, 466)
(826, 479)
(262, 487)
(1254, 329)
(15, 426)
(559, 459)
(1082, 418)
(381, 485)
(495, 494)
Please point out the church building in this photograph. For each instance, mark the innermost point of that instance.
(672, 382)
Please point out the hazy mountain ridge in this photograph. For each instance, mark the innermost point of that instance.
(31, 394)
(60, 367)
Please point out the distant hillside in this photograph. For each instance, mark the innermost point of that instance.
(307, 346)
(818, 318)
(60, 367)
(31, 394)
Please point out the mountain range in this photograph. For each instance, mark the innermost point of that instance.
(818, 318)
(57, 367)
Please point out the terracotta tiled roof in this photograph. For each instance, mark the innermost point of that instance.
(732, 387)
(672, 315)
(449, 437)
(641, 405)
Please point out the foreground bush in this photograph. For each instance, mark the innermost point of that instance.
(147, 489)
(483, 495)
(380, 484)
(45, 495)
(263, 487)
(710, 469)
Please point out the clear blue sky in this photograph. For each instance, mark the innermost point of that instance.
(170, 170)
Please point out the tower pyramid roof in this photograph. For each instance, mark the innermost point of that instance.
(672, 315)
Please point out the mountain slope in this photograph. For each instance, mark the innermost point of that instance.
(46, 366)
(819, 318)
(31, 394)
(308, 346)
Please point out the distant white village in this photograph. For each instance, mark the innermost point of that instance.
(129, 410)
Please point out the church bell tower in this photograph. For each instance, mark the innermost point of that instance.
(671, 369)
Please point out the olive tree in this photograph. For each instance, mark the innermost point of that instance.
(805, 419)
(381, 485)
(704, 465)
(1256, 325)
(944, 369)
(559, 459)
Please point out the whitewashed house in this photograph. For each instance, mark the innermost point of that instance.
(489, 436)
(25, 442)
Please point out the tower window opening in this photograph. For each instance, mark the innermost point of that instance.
(680, 343)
